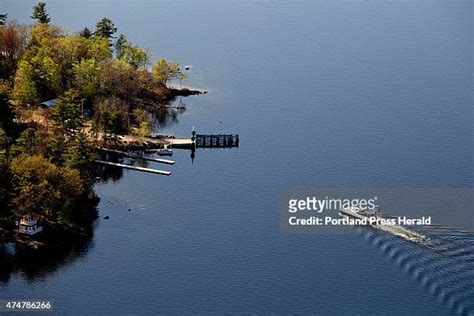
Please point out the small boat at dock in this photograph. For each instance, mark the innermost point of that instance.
(165, 151)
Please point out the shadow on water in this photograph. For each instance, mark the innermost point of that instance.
(167, 115)
(443, 265)
(164, 117)
(113, 173)
(36, 264)
(106, 173)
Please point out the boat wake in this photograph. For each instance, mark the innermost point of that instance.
(404, 233)
(373, 219)
(443, 262)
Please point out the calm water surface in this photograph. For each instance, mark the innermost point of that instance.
(322, 94)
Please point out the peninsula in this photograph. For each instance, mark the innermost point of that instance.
(62, 95)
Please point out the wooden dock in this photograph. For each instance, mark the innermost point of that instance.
(155, 171)
(135, 156)
(217, 141)
(184, 143)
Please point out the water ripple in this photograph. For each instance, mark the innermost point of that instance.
(443, 265)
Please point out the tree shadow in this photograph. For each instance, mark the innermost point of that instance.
(37, 264)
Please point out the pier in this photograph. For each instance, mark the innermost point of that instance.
(129, 142)
(149, 170)
(183, 143)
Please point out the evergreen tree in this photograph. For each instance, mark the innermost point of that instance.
(86, 33)
(79, 151)
(3, 18)
(26, 143)
(56, 150)
(105, 28)
(40, 14)
(67, 112)
(121, 44)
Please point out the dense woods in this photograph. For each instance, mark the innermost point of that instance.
(97, 84)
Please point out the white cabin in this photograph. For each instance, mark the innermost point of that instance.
(29, 226)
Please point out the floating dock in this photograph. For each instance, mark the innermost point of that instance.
(135, 156)
(149, 170)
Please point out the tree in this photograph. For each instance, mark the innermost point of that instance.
(130, 53)
(105, 28)
(6, 113)
(12, 41)
(42, 35)
(117, 123)
(37, 80)
(3, 17)
(5, 188)
(41, 188)
(98, 48)
(79, 151)
(135, 56)
(120, 45)
(24, 90)
(111, 115)
(67, 113)
(85, 33)
(144, 130)
(122, 80)
(87, 79)
(56, 149)
(40, 14)
(163, 72)
(47, 75)
(68, 51)
(26, 143)
(4, 142)
(6, 123)
(12, 44)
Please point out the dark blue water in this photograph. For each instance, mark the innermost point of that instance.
(322, 94)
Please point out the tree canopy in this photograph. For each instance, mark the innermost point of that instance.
(41, 188)
(37, 79)
(25, 88)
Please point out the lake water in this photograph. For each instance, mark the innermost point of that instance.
(322, 93)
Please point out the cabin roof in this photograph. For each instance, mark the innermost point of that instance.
(50, 103)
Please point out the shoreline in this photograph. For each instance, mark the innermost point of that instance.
(128, 142)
